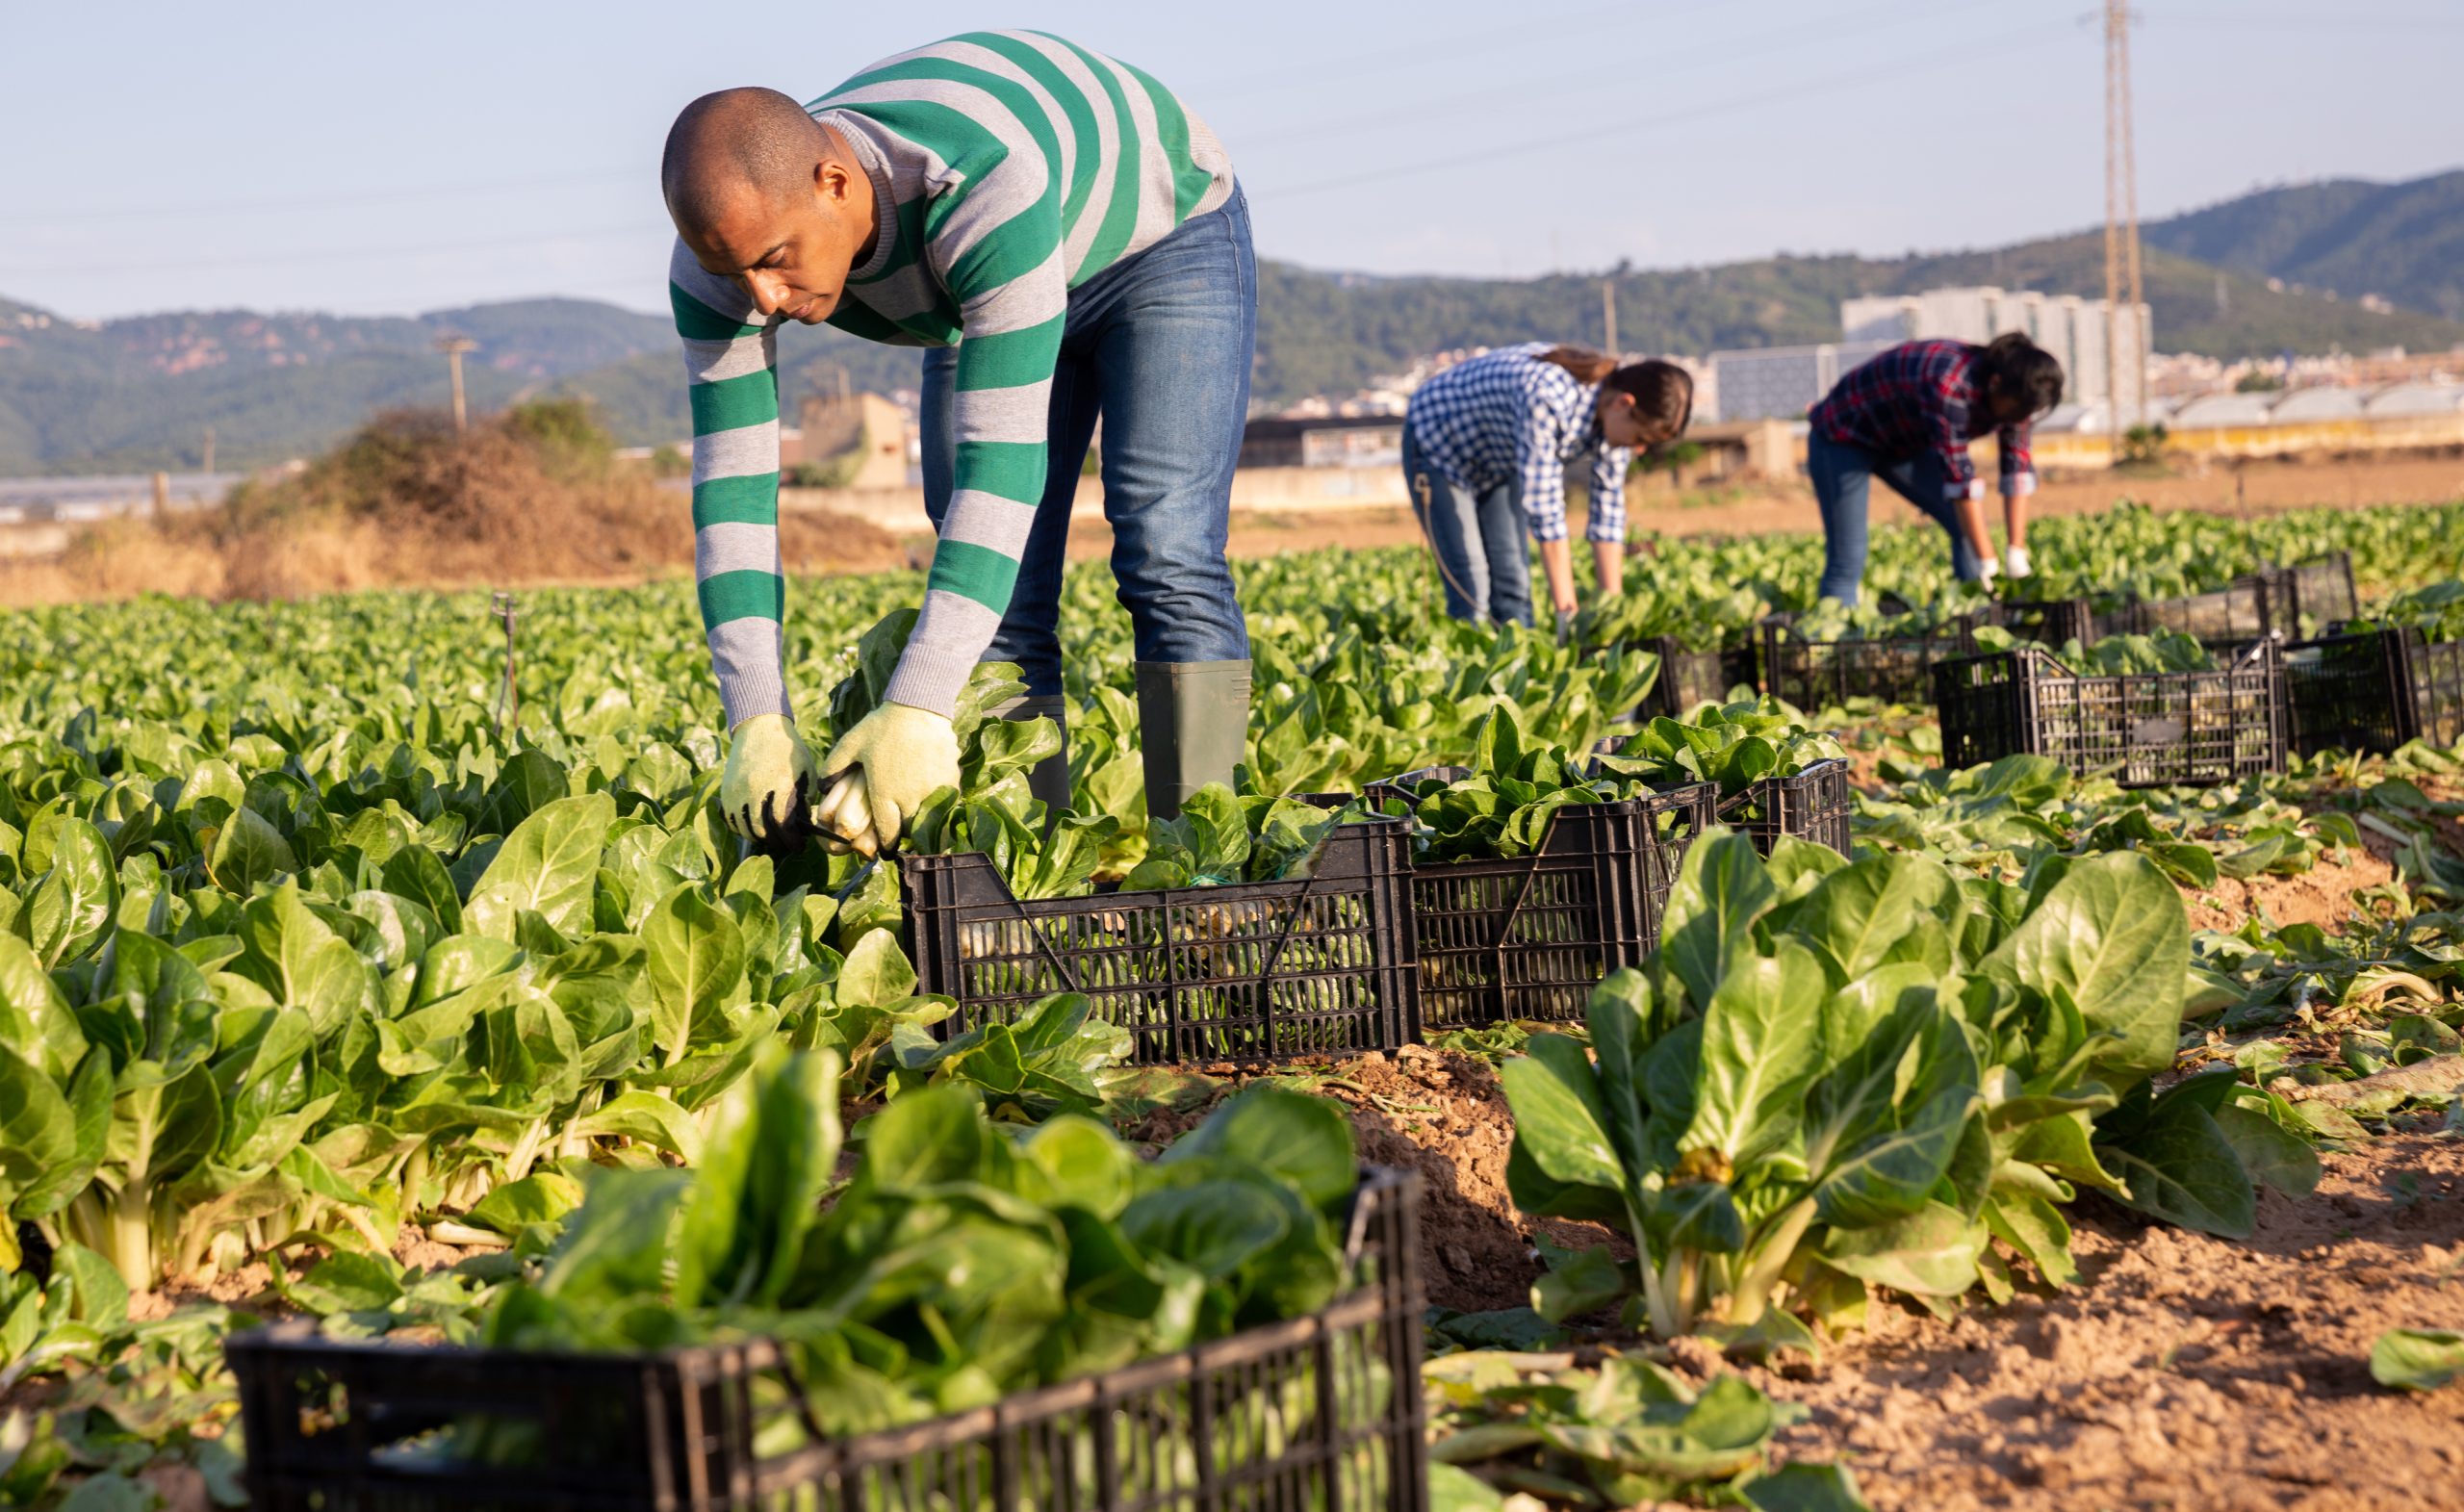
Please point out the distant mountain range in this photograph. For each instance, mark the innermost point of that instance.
(138, 393)
(2402, 242)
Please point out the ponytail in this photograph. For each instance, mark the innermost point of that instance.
(1589, 367)
(1663, 393)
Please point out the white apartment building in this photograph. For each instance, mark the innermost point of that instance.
(1784, 382)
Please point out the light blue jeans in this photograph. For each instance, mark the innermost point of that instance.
(1484, 555)
(1843, 478)
(1160, 346)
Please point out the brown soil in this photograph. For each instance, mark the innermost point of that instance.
(2322, 895)
(2182, 1371)
(252, 1284)
(1443, 1115)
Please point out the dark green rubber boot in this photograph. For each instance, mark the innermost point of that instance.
(1049, 778)
(1192, 728)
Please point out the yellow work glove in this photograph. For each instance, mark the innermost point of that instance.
(881, 771)
(769, 780)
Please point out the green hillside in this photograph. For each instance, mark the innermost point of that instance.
(138, 393)
(2403, 241)
(1320, 333)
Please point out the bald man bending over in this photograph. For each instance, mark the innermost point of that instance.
(1066, 240)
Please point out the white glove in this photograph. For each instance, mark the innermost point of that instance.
(2017, 563)
(768, 780)
(883, 770)
(1987, 571)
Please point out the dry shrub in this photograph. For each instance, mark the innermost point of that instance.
(533, 494)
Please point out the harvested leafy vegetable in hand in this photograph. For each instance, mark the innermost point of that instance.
(1735, 746)
(993, 814)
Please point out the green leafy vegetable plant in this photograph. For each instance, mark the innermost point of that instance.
(957, 1263)
(1735, 746)
(1845, 1076)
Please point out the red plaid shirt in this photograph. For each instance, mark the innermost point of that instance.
(1920, 396)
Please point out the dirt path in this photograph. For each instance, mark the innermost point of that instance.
(2180, 1373)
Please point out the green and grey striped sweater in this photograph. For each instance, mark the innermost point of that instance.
(1008, 168)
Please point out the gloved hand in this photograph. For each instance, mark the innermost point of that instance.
(1987, 571)
(1565, 624)
(883, 769)
(2017, 563)
(769, 780)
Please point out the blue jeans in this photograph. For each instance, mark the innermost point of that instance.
(1843, 475)
(1160, 346)
(1483, 557)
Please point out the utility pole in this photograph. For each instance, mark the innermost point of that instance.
(453, 347)
(209, 449)
(1609, 312)
(2121, 225)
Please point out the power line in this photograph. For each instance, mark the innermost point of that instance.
(2340, 22)
(1522, 33)
(1851, 79)
(1694, 58)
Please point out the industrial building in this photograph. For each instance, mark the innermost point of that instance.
(1784, 382)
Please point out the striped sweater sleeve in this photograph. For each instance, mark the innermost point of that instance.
(998, 250)
(731, 366)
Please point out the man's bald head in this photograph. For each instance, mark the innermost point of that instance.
(735, 140)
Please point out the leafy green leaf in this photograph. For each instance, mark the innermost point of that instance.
(2417, 1359)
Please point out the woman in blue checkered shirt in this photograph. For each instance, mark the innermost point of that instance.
(1485, 447)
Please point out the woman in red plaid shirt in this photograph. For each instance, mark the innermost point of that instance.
(1907, 417)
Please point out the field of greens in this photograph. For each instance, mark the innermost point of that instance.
(356, 967)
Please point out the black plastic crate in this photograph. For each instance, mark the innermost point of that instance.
(2151, 730)
(2271, 601)
(2231, 616)
(2434, 671)
(1528, 936)
(2348, 692)
(1814, 805)
(1256, 971)
(2320, 590)
(2374, 690)
(1816, 673)
(1322, 1411)
(1690, 679)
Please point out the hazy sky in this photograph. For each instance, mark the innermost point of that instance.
(389, 159)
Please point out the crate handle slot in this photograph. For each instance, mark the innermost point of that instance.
(1291, 923)
(785, 1362)
(1505, 926)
